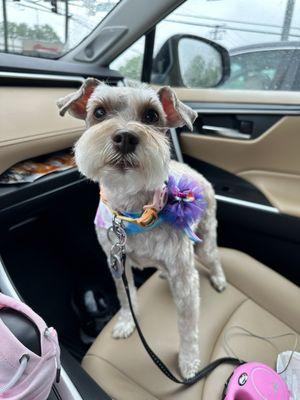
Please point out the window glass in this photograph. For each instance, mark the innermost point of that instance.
(130, 62)
(261, 36)
(48, 28)
(258, 70)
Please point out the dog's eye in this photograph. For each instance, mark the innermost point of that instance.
(150, 116)
(99, 112)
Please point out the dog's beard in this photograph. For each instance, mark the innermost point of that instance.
(122, 162)
(144, 170)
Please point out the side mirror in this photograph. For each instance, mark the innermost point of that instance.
(191, 61)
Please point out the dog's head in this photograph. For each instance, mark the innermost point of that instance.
(125, 141)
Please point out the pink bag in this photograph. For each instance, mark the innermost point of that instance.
(24, 374)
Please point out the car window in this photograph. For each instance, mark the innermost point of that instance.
(263, 33)
(49, 28)
(130, 62)
(260, 37)
(260, 70)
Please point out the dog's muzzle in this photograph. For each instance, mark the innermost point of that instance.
(125, 141)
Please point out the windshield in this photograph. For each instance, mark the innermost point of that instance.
(48, 28)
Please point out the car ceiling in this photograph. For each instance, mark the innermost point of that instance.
(119, 30)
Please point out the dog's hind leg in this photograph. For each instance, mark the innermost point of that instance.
(125, 324)
(208, 251)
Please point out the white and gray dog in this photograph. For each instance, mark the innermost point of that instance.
(125, 148)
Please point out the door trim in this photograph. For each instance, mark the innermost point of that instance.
(224, 199)
(50, 77)
(244, 108)
(249, 204)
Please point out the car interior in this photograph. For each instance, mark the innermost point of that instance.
(245, 141)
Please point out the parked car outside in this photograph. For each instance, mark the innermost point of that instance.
(265, 66)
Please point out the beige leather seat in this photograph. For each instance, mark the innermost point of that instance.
(256, 298)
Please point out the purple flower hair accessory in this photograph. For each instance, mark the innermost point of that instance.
(185, 202)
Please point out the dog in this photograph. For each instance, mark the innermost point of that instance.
(126, 150)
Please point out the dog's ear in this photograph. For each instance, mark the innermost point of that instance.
(76, 102)
(177, 113)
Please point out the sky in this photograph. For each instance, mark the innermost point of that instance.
(229, 22)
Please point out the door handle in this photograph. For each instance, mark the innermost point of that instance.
(226, 132)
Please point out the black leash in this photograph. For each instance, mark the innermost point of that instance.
(117, 264)
(164, 369)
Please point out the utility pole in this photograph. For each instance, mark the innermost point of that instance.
(290, 5)
(217, 32)
(5, 26)
(67, 22)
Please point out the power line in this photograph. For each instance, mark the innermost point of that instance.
(232, 28)
(232, 20)
(39, 9)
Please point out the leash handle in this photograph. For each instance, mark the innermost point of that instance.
(158, 362)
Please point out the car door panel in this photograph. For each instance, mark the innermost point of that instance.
(228, 185)
(270, 162)
(283, 190)
(30, 123)
(256, 180)
(38, 129)
(260, 99)
(247, 221)
(234, 126)
(272, 238)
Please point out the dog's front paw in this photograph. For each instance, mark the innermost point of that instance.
(189, 366)
(124, 326)
(218, 282)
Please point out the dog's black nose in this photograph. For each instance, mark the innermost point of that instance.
(125, 141)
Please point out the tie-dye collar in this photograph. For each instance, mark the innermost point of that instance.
(180, 203)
